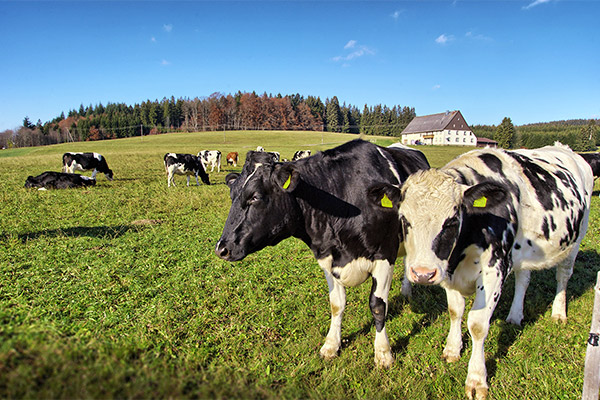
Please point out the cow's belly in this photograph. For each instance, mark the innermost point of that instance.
(77, 167)
(180, 170)
(354, 273)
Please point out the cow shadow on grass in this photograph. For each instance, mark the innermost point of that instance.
(114, 231)
(538, 300)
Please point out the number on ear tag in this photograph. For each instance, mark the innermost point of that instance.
(386, 202)
(480, 202)
(287, 183)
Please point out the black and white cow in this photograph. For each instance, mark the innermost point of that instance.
(184, 164)
(594, 160)
(275, 154)
(488, 212)
(85, 162)
(323, 200)
(58, 180)
(210, 158)
(301, 154)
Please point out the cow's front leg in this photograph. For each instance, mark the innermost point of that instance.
(489, 287)
(515, 315)
(197, 183)
(456, 309)
(378, 301)
(188, 180)
(94, 173)
(337, 301)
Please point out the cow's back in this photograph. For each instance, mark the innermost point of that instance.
(550, 190)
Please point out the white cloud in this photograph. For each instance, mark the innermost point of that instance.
(165, 62)
(435, 87)
(443, 38)
(168, 27)
(396, 14)
(535, 3)
(478, 36)
(358, 51)
(153, 39)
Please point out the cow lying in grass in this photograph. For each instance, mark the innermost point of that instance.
(58, 180)
(323, 200)
(486, 213)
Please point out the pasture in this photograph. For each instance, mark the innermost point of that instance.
(115, 292)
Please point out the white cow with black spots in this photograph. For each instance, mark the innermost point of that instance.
(488, 212)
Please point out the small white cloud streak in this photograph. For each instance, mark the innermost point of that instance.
(535, 3)
(396, 14)
(350, 45)
(153, 39)
(165, 62)
(168, 27)
(359, 51)
(435, 87)
(443, 38)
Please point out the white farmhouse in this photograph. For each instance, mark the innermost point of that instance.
(444, 129)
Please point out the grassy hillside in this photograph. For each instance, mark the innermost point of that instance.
(115, 291)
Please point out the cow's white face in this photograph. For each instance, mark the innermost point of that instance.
(430, 214)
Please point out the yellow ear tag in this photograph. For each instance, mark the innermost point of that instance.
(480, 202)
(386, 202)
(287, 183)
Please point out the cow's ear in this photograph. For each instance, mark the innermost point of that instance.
(231, 178)
(285, 176)
(385, 196)
(484, 197)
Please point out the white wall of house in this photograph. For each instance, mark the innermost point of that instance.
(446, 137)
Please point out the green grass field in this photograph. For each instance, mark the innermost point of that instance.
(115, 292)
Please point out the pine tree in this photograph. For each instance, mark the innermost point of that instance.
(333, 115)
(585, 139)
(505, 134)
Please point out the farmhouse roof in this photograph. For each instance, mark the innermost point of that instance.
(436, 122)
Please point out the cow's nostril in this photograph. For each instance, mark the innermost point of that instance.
(423, 275)
(222, 252)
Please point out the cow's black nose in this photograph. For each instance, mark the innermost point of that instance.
(222, 252)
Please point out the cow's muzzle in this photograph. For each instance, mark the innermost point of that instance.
(424, 276)
(223, 251)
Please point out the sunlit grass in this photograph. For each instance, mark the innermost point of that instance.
(114, 291)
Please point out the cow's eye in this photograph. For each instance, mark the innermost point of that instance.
(254, 199)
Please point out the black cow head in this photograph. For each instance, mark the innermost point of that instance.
(263, 211)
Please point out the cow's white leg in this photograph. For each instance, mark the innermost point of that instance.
(94, 173)
(406, 288)
(456, 309)
(170, 178)
(188, 180)
(337, 301)
(479, 323)
(378, 302)
(515, 315)
(564, 270)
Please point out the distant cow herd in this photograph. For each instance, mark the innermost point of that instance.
(175, 164)
(359, 206)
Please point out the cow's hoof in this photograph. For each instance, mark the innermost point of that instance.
(328, 351)
(476, 391)
(559, 318)
(384, 359)
(450, 356)
(514, 321)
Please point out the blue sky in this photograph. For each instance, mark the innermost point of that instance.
(529, 60)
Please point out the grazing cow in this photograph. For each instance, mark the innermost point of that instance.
(467, 225)
(276, 156)
(58, 180)
(184, 164)
(232, 158)
(301, 154)
(212, 158)
(86, 161)
(594, 160)
(323, 201)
